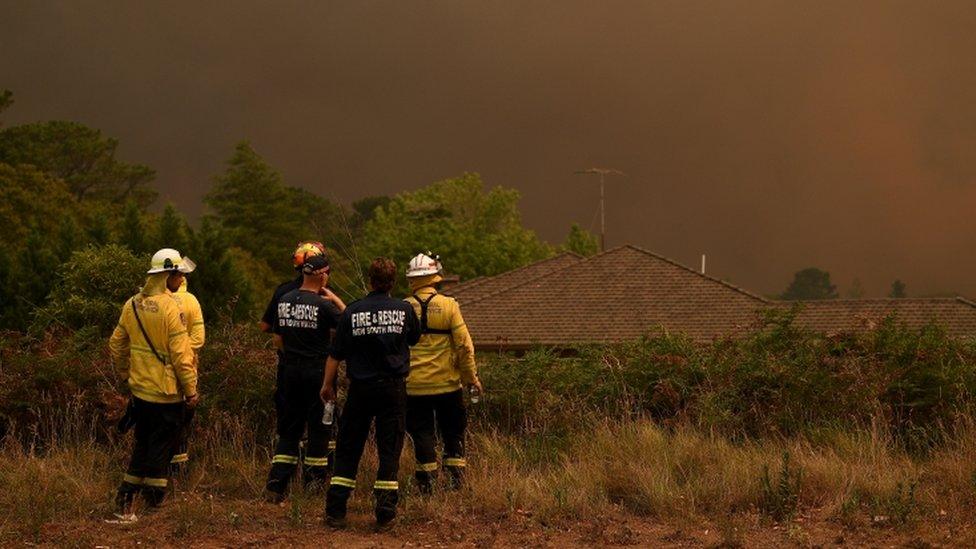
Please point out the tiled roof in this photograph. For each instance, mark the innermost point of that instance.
(957, 315)
(619, 294)
(628, 292)
(479, 287)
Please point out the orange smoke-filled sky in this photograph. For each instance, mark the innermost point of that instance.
(770, 135)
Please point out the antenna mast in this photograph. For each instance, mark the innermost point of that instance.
(602, 172)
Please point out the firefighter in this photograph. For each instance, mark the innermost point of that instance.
(305, 317)
(441, 364)
(269, 321)
(193, 315)
(373, 338)
(152, 345)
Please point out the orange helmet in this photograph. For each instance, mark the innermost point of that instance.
(306, 250)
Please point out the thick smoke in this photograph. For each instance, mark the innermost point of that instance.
(771, 135)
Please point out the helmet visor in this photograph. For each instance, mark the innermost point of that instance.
(186, 266)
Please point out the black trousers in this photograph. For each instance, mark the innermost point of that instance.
(299, 407)
(182, 455)
(157, 431)
(428, 416)
(385, 402)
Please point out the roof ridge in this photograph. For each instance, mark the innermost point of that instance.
(617, 249)
(878, 300)
(966, 300)
(527, 280)
(693, 271)
(482, 280)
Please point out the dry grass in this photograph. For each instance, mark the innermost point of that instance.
(636, 468)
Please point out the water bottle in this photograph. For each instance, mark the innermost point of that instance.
(328, 416)
(474, 393)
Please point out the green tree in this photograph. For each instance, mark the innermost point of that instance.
(92, 285)
(364, 210)
(810, 284)
(133, 232)
(581, 241)
(257, 211)
(171, 231)
(223, 279)
(30, 200)
(898, 290)
(80, 156)
(6, 99)
(476, 232)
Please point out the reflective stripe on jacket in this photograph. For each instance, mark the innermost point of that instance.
(440, 363)
(162, 319)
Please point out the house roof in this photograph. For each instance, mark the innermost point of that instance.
(479, 287)
(620, 294)
(956, 315)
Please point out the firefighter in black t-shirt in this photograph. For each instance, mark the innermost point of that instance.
(304, 317)
(373, 337)
(269, 320)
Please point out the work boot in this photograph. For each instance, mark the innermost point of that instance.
(384, 522)
(125, 497)
(272, 497)
(425, 484)
(337, 523)
(153, 496)
(336, 500)
(456, 477)
(386, 507)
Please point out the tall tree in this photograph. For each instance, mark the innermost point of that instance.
(264, 216)
(222, 278)
(581, 241)
(810, 284)
(82, 157)
(364, 209)
(476, 232)
(171, 230)
(30, 200)
(6, 99)
(133, 233)
(898, 290)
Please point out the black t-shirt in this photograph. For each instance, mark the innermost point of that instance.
(304, 321)
(374, 337)
(271, 311)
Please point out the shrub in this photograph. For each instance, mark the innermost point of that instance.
(92, 287)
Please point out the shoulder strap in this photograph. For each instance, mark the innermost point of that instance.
(424, 329)
(145, 336)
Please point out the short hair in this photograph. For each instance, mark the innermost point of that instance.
(382, 274)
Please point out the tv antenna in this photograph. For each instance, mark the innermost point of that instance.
(602, 172)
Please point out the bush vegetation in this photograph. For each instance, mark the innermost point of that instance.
(863, 426)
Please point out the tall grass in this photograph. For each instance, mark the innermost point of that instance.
(863, 428)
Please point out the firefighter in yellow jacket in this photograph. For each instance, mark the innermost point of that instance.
(151, 340)
(193, 316)
(441, 365)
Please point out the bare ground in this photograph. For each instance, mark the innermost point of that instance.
(241, 523)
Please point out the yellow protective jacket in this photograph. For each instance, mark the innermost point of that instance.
(150, 379)
(193, 315)
(440, 362)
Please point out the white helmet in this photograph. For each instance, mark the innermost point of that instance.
(169, 259)
(424, 265)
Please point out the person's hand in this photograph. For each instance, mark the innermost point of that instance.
(115, 405)
(331, 296)
(327, 393)
(192, 401)
(477, 385)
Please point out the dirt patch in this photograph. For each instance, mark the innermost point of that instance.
(242, 523)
